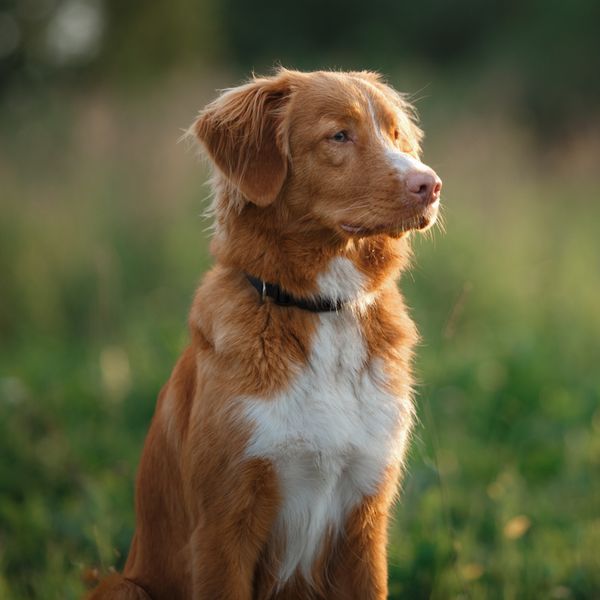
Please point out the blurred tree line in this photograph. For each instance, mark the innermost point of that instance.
(541, 57)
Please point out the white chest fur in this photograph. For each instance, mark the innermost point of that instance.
(331, 435)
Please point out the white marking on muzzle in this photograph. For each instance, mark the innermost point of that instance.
(402, 162)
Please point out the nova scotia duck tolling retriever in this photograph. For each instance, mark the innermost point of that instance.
(275, 453)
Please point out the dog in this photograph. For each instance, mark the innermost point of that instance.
(276, 449)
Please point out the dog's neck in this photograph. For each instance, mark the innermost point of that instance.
(305, 260)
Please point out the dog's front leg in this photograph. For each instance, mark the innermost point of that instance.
(359, 570)
(233, 529)
(361, 565)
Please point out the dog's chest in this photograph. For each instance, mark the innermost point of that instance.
(331, 435)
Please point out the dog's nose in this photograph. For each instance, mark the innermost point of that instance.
(426, 185)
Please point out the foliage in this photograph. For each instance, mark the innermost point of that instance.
(538, 58)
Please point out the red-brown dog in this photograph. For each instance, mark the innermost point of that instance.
(275, 451)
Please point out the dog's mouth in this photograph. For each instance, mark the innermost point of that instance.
(420, 222)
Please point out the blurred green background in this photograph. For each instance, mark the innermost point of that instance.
(102, 243)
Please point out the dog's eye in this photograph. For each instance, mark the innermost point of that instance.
(340, 136)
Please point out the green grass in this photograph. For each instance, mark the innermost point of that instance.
(101, 245)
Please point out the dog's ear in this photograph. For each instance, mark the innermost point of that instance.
(244, 133)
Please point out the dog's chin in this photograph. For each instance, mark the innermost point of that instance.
(422, 221)
(429, 216)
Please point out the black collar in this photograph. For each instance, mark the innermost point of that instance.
(281, 298)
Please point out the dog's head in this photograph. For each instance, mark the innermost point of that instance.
(337, 151)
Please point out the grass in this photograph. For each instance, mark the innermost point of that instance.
(101, 245)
